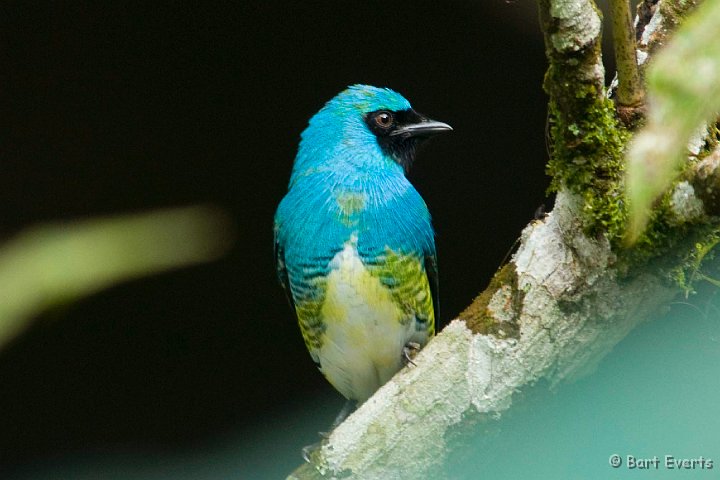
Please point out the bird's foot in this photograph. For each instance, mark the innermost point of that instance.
(410, 351)
(310, 452)
(349, 407)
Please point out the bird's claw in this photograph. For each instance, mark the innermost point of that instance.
(310, 451)
(410, 351)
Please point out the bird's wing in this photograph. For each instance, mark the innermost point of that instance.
(431, 269)
(282, 272)
(409, 283)
(306, 309)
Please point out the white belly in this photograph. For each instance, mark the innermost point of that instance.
(363, 344)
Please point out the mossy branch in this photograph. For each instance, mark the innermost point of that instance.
(574, 79)
(587, 139)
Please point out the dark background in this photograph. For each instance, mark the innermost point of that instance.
(118, 108)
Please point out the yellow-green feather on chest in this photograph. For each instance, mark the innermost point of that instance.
(366, 317)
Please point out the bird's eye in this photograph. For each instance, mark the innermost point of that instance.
(384, 119)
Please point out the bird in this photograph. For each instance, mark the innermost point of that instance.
(354, 243)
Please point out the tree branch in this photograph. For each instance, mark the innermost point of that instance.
(630, 90)
(560, 305)
(685, 83)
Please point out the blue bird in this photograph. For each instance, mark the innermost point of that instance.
(354, 244)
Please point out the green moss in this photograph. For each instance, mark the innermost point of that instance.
(657, 241)
(587, 158)
(713, 138)
(587, 140)
(688, 272)
(675, 11)
(478, 317)
(588, 147)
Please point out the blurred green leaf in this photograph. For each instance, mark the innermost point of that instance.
(683, 92)
(51, 264)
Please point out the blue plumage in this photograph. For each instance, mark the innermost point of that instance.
(355, 245)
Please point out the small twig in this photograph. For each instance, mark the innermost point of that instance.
(630, 91)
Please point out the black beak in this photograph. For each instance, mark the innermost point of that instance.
(420, 126)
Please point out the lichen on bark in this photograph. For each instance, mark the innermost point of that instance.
(496, 310)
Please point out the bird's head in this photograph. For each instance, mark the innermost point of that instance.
(366, 127)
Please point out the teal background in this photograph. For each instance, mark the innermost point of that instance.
(654, 394)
